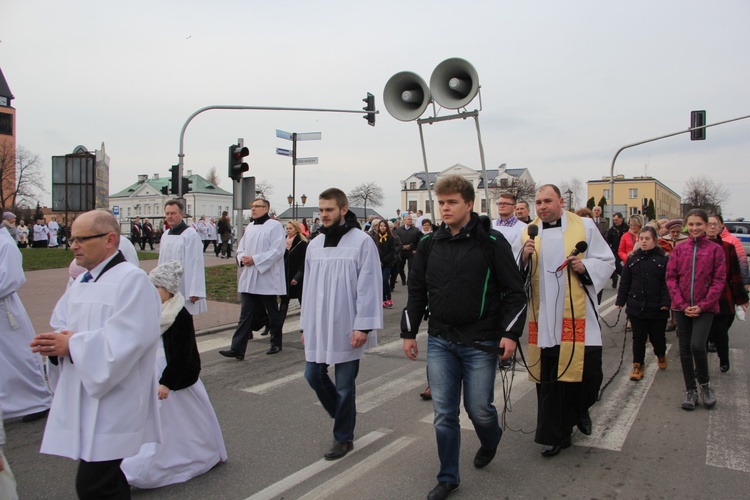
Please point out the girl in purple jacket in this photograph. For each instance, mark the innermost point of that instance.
(695, 277)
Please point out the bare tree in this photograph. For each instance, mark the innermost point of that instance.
(367, 192)
(21, 177)
(522, 190)
(704, 192)
(575, 197)
(213, 176)
(264, 189)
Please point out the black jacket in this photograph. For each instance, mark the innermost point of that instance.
(614, 234)
(464, 295)
(408, 237)
(387, 249)
(183, 359)
(643, 286)
(294, 266)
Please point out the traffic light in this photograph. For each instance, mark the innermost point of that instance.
(698, 119)
(165, 190)
(186, 185)
(174, 184)
(370, 108)
(236, 164)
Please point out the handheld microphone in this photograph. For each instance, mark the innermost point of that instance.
(581, 246)
(533, 231)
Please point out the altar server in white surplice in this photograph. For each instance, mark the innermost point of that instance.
(54, 229)
(105, 339)
(23, 391)
(182, 243)
(341, 309)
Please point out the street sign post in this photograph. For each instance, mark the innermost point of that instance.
(294, 137)
(116, 210)
(307, 161)
(283, 152)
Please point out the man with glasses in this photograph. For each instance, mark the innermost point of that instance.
(508, 224)
(260, 254)
(105, 403)
(182, 243)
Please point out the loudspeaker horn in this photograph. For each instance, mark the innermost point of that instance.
(406, 96)
(454, 83)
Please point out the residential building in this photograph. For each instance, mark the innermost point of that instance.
(7, 146)
(630, 195)
(414, 195)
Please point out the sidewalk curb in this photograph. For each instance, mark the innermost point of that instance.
(230, 326)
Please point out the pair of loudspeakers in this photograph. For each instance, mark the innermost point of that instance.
(453, 84)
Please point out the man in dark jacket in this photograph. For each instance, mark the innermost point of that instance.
(619, 227)
(409, 236)
(477, 303)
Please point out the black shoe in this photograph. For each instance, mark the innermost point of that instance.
(484, 456)
(551, 451)
(584, 424)
(33, 417)
(724, 368)
(265, 332)
(338, 450)
(441, 491)
(231, 353)
(403, 283)
(711, 347)
(274, 349)
(671, 328)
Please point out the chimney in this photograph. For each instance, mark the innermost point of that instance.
(156, 176)
(501, 169)
(189, 173)
(143, 178)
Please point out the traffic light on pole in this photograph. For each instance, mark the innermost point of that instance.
(237, 166)
(370, 108)
(174, 184)
(186, 185)
(698, 119)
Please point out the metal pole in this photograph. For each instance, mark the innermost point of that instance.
(484, 170)
(612, 167)
(294, 175)
(427, 174)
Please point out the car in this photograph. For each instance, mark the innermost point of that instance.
(741, 229)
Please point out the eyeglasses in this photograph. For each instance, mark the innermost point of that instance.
(83, 239)
(504, 204)
(257, 206)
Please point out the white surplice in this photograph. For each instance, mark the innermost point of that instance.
(513, 235)
(599, 262)
(22, 387)
(187, 248)
(266, 243)
(41, 233)
(202, 228)
(53, 228)
(343, 293)
(105, 404)
(129, 251)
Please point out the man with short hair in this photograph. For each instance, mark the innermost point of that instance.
(467, 273)
(41, 234)
(104, 344)
(522, 212)
(182, 243)
(340, 312)
(614, 234)
(420, 218)
(23, 390)
(565, 340)
(409, 236)
(601, 223)
(203, 232)
(507, 223)
(260, 254)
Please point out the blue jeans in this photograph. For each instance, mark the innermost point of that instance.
(338, 400)
(453, 366)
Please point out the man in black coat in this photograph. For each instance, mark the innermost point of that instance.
(409, 236)
(613, 240)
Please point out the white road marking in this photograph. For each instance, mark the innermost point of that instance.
(396, 346)
(614, 416)
(261, 389)
(729, 421)
(351, 474)
(388, 387)
(222, 340)
(302, 475)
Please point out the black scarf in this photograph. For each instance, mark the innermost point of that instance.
(261, 220)
(334, 234)
(178, 229)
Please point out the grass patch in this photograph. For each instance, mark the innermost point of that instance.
(221, 283)
(36, 259)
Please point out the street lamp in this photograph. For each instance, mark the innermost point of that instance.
(290, 200)
(570, 199)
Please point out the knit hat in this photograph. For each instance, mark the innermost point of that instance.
(167, 276)
(9, 216)
(674, 223)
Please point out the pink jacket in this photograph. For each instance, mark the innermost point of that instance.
(741, 254)
(627, 243)
(696, 273)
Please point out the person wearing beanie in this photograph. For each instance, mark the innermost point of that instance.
(674, 235)
(192, 442)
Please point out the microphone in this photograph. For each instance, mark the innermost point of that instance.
(533, 231)
(581, 246)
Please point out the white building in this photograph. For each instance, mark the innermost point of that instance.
(145, 199)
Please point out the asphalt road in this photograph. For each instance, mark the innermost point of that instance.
(643, 446)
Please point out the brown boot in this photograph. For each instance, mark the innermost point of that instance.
(637, 374)
(663, 362)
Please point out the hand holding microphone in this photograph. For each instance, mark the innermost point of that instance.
(581, 247)
(528, 247)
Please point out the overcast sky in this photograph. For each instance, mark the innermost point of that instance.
(564, 86)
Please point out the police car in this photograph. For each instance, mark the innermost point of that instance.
(741, 229)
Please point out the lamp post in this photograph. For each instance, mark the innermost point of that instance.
(290, 200)
(570, 199)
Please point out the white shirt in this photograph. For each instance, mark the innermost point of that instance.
(266, 243)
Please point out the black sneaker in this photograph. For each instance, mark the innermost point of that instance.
(441, 491)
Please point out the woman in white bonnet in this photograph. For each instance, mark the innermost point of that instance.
(192, 442)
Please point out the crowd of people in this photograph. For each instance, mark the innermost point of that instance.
(475, 282)
(42, 234)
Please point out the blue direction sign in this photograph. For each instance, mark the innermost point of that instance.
(283, 152)
(283, 135)
(115, 210)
